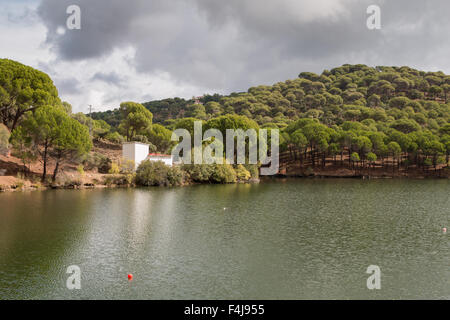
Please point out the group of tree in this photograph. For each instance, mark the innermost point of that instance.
(346, 93)
(39, 125)
(353, 115)
(365, 143)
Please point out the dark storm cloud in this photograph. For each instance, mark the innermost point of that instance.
(234, 44)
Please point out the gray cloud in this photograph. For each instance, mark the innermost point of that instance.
(68, 86)
(108, 77)
(233, 44)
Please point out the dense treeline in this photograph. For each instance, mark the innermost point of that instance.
(341, 94)
(351, 116)
(365, 115)
(37, 125)
(162, 110)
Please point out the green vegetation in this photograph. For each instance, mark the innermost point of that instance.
(4, 139)
(156, 173)
(395, 116)
(98, 128)
(135, 119)
(23, 89)
(97, 160)
(211, 173)
(52, 133)
(352, 116)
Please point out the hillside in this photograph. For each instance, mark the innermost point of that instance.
(349, 92)
(353, 120)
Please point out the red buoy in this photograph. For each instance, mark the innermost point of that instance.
(130, 276)
(444, 230)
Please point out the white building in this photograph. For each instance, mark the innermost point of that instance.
(138, 152)
(166, 158)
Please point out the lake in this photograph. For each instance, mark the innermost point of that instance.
(282, 239)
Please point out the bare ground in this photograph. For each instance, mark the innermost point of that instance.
(14, 175)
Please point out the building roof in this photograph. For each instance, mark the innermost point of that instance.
(135, 142)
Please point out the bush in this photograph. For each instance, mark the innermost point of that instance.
(114, 168)
(115, 137)
(80, 170)
(242, 173)
(104, 165)
(176, 176)
(127, 166)
(214, 173)
(223, 173)
(428, 162)
(199, 172)
(130, 178)
(118, 179)
(156, 173)
(253, 169)
(355, 157)
(371, 157)
(96, 160)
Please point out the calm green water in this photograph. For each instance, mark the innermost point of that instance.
(296, 239)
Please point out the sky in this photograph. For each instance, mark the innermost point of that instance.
(142, 50)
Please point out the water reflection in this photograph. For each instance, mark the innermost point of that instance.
(298, 239)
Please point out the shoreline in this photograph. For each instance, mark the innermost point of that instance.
(20, 185)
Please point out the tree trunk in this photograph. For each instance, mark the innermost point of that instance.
(55, 172)
(16, 118)
(44, 158)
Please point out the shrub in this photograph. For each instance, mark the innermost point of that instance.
(114, 168)
(427, 162)
(105, 165)
(80, 170)
(152, 173)
(223, 173)
(355, 157)
(242, 173)
(118, 179)
(371, 157)
(20, 184)
(253, 169)
(176, 176)
(157, 173)
(441, 160)
(96, 160)
(130, 178)
(127, 166)
(115, 137)
(215, 173)
(199, 172)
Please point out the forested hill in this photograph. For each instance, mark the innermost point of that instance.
(346, 93)
(384, 116)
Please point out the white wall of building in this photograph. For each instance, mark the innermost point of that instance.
(135, 151)
(166, 160)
